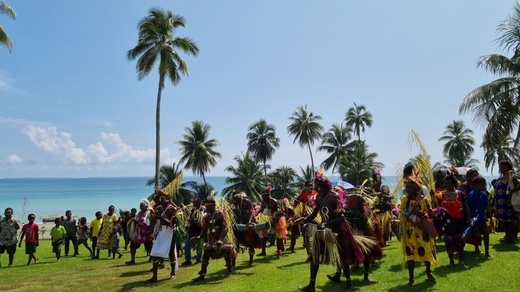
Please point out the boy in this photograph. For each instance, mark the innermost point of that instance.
(477, 202)
(8, 234)
(95, 225)
(30, 232)
(57, 236)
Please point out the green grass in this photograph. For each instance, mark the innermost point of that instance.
(267, 274)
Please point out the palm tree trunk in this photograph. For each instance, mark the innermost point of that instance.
(265, 173)
(158, 131)
(312, 160)
(204, 179)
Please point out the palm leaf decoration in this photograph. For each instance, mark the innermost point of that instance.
(173, 187)
(423, 164)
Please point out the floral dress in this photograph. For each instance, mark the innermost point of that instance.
(107, 229)
(416, 244)
(504, 209)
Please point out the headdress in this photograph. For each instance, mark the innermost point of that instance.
(416, 178)
(267, 190)
(211, 199)
(321, 180)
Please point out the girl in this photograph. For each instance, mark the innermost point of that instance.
(114, 244)
(83, 235)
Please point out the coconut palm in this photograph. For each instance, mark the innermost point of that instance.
(505, 152)
(305, 128)
(307, 174)
(262, 142)
(358, 118)
(169, 174)
(496, 105)
(359, 165)
(197, 151)
(204, 191)
(4, 39)
(157, 43)
(245, 177)
(282, 180)
(336, 143)
(459, 144)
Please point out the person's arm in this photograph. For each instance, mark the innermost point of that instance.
(22, 235)
(313, 215)
(37, 235)
(224, 231)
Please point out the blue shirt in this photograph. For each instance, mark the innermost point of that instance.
(477, 202)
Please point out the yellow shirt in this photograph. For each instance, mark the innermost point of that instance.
(95, 225)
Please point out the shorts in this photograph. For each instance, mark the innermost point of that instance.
(479, 229)
(11, 249)
(30, 247)
(147, 245)
(56, 246)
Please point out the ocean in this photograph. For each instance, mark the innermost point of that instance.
(83, 196)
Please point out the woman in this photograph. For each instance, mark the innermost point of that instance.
(107, 229)
(505, 214)
(416, 244)
(454, 219)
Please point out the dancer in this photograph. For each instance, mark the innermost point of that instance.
(245, 215)
(140, 229)
(270, 208)
(218, 245)
(345, 251)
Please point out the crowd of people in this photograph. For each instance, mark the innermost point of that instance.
(338, 226)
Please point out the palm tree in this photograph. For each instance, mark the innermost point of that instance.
(4, 39)
(282, 180)
(169, 174)
(459, 143)
(307, 174)
(156, 42)
(245, 177)
(336, 143)
(358, 167)
(506, 151)
(496, 105)
(197, 151)
(358, 118)
(262, 142)
(204, 191)
(305, 128)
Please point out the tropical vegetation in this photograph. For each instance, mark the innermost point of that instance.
(4, 39)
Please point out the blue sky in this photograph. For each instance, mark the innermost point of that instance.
(71, 104)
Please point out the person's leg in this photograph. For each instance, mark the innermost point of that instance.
(67, 245)
(336, 277)
(264, 243)
(187, 250)
(366, 268)
(311, 287)
(155, 267)
(411, 266)
(251, 255)
(429, 271)
(346, 272)
(279, 246)
(74, 241)
(11, 251)
(203, 268)
(133, 250)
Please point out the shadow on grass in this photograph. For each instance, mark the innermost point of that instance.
(141, 284)
(500, 247)
(134, 273)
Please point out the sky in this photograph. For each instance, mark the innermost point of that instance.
(71, 104)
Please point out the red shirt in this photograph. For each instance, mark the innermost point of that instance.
(31, 232)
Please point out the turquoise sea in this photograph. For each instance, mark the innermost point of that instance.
(83, 196)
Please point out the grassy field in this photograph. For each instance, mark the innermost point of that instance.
(81, 273)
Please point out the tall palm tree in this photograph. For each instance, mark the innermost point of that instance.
(245, 177)
(336, 143)
(197, 151)
(496, 105)
(358, 118)
(169, 174)
(358, 167)
(282, 180)
(506, 151)
(307, 174)
(459, 143)
(262, 142)
(305, 128)
(157, 42)
(4, 39)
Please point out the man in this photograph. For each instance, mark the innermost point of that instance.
(71, 227)
(245, 214)
(194, 228)
(333, 222)
(9, 227)
(270, 207)
(217, 244)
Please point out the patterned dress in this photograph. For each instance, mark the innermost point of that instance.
(107, 229)
(416, 244)
(503, 207)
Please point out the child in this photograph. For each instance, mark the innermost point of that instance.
(114, 244)
(95, 225)
(30, 232)
(57, 237)
(83, 235)
(477, 202)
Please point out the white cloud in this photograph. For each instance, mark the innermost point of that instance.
(121, 151)
(6, 82)
(50, 140)
(14, 159)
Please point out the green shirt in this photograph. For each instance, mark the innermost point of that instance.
(58, 233)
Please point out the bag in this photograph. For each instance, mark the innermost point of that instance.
(423, 223)
(515, 197)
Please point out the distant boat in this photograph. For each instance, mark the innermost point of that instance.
(51, 218)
